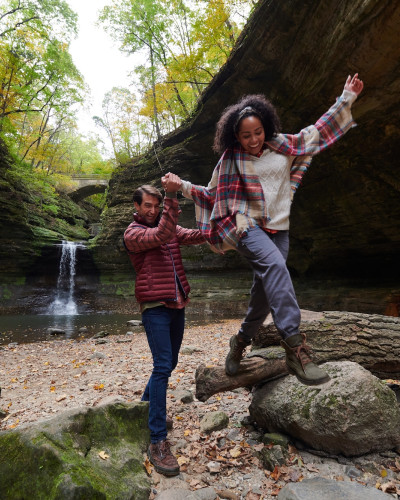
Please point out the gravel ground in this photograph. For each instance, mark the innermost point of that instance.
(41, 380)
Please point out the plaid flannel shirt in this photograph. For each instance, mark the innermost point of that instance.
(234, 199)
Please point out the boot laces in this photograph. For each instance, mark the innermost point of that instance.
(302, 353)
(238, 348)
(163, 449)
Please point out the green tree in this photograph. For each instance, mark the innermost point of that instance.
(184, 44)
(122, 123)
(39, 84)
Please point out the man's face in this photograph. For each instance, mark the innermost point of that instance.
(148, 209)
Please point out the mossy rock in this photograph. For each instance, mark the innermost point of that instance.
(87, 453)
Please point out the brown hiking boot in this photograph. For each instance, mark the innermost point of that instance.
(235, 355)
(163, 460)
(299, 362)
(169, 422)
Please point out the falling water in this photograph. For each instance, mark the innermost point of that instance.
(64, 302)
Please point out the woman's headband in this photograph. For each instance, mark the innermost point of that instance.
(248, 110)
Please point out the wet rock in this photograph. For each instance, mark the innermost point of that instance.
(134, 322)
(275, 438)
(184, 396)
(352, 472)
(100, 335)
(353, 414)
(101, 341)
(233, 435)
(329, 489)
(214, 421)
(189, 349)
(55, 331)
(273, 457)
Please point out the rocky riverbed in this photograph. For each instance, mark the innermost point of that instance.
(43, 379)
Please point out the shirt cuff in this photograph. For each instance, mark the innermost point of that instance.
(349, 96)
(186, 189)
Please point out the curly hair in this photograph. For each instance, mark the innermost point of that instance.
(249, 105)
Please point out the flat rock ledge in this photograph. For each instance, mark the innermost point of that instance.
(329, 489)
(355, 413)
(92, 452)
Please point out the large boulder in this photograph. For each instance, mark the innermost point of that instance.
(84, 453)
(353, 414)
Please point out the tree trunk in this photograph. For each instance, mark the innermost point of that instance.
(153, 87)
(371, 340)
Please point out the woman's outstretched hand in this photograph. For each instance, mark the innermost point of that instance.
(354, 84)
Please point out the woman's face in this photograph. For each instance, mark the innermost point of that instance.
(251, 134)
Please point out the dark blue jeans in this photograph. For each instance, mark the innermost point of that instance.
(164, 329)
(272, 289)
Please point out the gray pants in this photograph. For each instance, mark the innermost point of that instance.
(272, 289)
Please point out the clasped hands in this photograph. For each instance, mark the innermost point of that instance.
(171, 182)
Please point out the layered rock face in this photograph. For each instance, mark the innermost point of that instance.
(30, 232)
(346, 216)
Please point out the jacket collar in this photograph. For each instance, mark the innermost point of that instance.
(141, 221)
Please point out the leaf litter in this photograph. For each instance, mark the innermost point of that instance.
(43, 379)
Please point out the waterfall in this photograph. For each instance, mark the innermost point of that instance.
(64, 302)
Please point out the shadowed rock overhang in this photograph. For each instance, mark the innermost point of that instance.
(346, 216)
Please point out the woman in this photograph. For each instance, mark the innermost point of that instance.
(246, 207)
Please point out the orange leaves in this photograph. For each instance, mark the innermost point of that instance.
(148, 466)
(98, 387)
(276, 473)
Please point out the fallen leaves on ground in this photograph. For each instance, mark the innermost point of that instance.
(43, 379)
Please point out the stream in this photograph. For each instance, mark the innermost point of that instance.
(214, 296)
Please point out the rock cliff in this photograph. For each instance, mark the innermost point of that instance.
(29, 229)
(346, 216)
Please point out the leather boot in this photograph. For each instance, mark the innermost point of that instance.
(235, 354)
(163, 460)
(299, 362)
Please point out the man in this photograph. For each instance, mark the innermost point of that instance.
(161, 288)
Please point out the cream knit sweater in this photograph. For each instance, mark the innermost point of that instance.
(273, 170)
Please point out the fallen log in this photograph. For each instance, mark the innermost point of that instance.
(253, 370)
(371, 340)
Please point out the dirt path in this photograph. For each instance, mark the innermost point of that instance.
(43, 379)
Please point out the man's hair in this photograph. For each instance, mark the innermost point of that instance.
(249, 105)
(148, 189)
